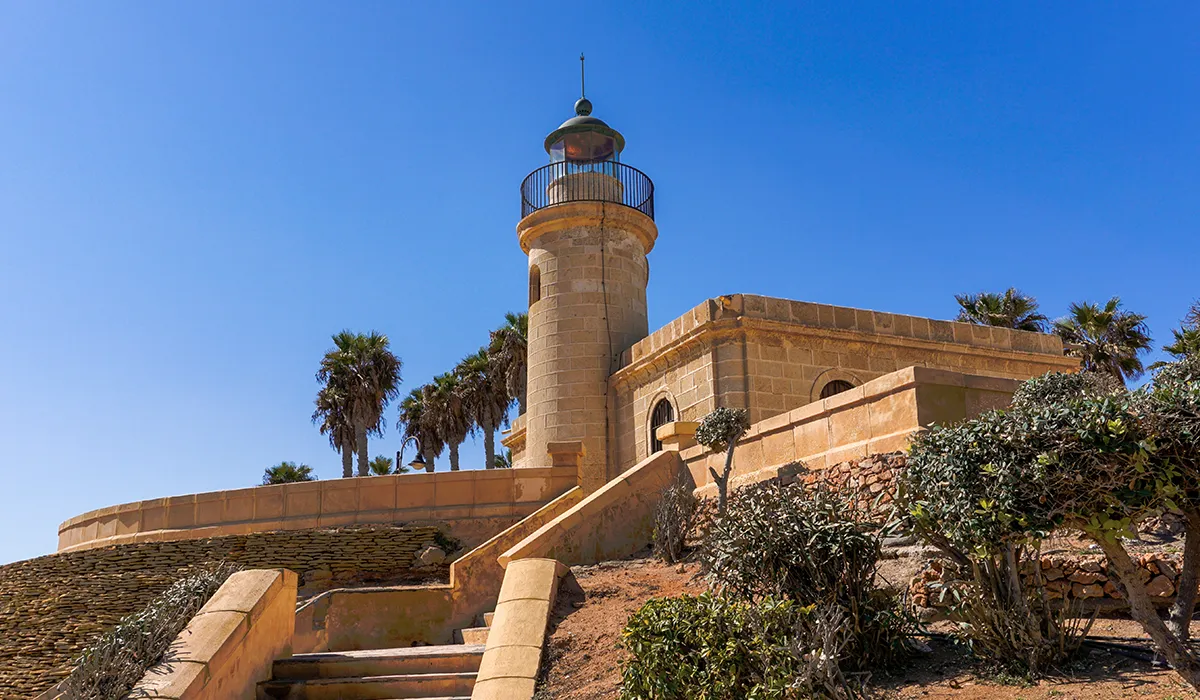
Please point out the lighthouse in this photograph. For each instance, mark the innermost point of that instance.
(587, 224)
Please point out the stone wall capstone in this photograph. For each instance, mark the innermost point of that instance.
(53, 607)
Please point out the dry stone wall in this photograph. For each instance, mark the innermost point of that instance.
(868, 481)
(52, 607)
(1070, 578)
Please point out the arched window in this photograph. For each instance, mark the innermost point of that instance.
(662, 414)
(535, 284)
(837, 386)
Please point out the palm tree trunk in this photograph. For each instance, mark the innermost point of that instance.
(522, 392)
(429, 457)
(489, 447)
(347, 462)
(454, 456)
(361, 439)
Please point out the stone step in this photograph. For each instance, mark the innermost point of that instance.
(487, 618)
(449, 658)
(473, 635)
(392, 687)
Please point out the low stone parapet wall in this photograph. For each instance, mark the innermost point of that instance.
(232, 642)
(53, 607)
(1075, 579)
(877, 417)
(474, 505)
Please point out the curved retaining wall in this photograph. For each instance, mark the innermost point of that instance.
(52, 607)
(473, 505)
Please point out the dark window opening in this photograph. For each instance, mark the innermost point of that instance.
(535, 284)
(837, 386)
(663, 413)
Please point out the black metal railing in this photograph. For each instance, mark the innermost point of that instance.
(604, 181)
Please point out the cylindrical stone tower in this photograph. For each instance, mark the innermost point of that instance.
(587, 226)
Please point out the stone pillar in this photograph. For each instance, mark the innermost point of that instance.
(590, 258)
(677, 436)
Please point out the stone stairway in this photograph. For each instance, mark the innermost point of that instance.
(445, 672)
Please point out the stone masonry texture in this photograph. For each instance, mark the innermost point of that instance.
(774, 355)
(592, 308)
(52, 607)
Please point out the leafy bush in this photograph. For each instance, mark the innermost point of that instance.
(1071, 453)
(715, 647)
(785, 542)
(811, 547)
(674, 518)
(720, 430)
(113, 665)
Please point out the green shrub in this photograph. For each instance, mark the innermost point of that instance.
(674, 518)
(113, 665)
(811, 547)
(715, 647)
(787, 542)
(1073, 452)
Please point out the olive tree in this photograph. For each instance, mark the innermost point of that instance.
(720, 431)
(1073, 452)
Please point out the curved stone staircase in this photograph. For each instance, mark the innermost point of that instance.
(443, 672)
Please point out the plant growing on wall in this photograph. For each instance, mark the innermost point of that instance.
(111, 667)
(287, 473)
(720, 431)
(1071, 453)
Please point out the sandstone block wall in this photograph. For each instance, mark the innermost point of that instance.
(52, 607)
(874, 418)
(589, 259)
(473, 505)
(775, 355)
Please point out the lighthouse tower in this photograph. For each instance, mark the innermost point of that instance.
(587, 224)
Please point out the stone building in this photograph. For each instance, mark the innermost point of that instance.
(600, 382)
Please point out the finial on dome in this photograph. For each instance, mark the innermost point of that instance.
(583, 106)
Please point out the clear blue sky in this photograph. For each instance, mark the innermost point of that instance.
(193, 197)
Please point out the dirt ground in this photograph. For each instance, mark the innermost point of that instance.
(584, 658)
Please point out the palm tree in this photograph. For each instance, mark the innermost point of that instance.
(485, 399)
(1187, 342)
(367, 377)
(444, 408)
(1192, 319)
(508, 349)
(335, 422)
(287, 473)
(415, 424)
(1105, 338)
(503, 460)
(381, 466)
(1012, 309)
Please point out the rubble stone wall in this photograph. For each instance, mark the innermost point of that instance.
(1070, 578)
(52, 607)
